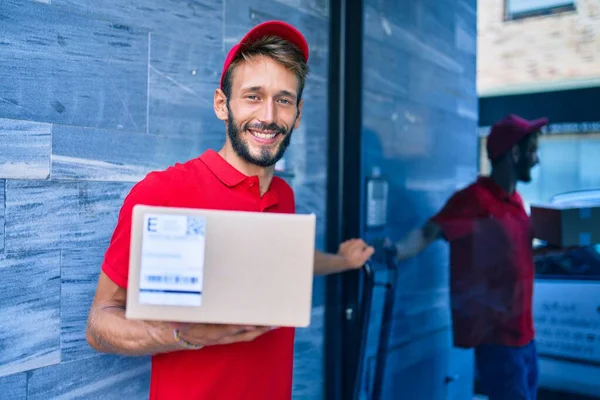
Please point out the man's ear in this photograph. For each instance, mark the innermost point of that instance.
(299, 114)
(515, 153)
(220, 105)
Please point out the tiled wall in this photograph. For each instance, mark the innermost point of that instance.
(420, 128)
(93, 95)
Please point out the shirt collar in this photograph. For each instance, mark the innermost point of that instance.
(222, 169)
(230, 176)
(491, 186)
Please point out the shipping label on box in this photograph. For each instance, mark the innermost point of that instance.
(172, 260)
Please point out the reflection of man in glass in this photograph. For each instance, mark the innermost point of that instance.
(491, 263)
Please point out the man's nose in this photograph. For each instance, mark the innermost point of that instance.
(268, 112)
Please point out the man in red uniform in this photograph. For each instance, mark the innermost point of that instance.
(260, 102)
(491, 263)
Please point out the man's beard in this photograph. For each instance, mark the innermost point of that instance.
(242, 149)
(524, 171)
(525, 176)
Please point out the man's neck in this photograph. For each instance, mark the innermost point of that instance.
(264, 174)
(505, 180)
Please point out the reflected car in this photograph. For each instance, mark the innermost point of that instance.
(567, 312)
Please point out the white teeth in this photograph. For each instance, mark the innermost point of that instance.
(264, 135)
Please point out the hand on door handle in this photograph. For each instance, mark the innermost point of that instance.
(452, 378)
(356, 253)
(385, 251)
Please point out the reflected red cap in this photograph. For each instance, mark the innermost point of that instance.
(268, 28)
(509, 131)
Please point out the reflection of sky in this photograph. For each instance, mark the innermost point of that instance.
(516, 6)
(566, 164)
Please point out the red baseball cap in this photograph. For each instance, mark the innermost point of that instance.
(509, 131)
(268, 28)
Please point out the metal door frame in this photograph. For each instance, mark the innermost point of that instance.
(344, 194)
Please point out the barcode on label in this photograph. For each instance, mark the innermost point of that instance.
(185, 280)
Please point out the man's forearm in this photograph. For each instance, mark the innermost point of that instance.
(108, 331)
(416, 241)
(327, 263)
(410, 245)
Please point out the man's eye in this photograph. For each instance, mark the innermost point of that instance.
(284, 101)
(252, 97)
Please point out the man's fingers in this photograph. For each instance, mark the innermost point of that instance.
(210, 334)
(246, 336)
(358, 245)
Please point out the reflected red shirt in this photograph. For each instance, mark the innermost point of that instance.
(491, 265)
(261, 369)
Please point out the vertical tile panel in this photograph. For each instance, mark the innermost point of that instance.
(24, 149)
(308, 360)
(183, 78)
(79, 276)
(2, 213)
(29, 309)
(14, 387)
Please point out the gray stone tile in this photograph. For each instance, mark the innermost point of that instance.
(385, 68)
(111, 155)
(24, 149)
(308, 361)
(198, 20)
(66, 214)
(30, 311)
(400, 33)
(2, 212)
(240, 15)
(310, 198)
(14, 387)
(183, 78)
(79, 275)
(72, 70)
(98, 378)
(319, 8)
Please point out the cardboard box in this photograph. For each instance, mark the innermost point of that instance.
(222, 267)
(566, 225)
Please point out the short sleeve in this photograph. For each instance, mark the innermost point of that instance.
(148, 191)
(458, 216)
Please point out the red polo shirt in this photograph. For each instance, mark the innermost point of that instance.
(261, 369)
(491, 265)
